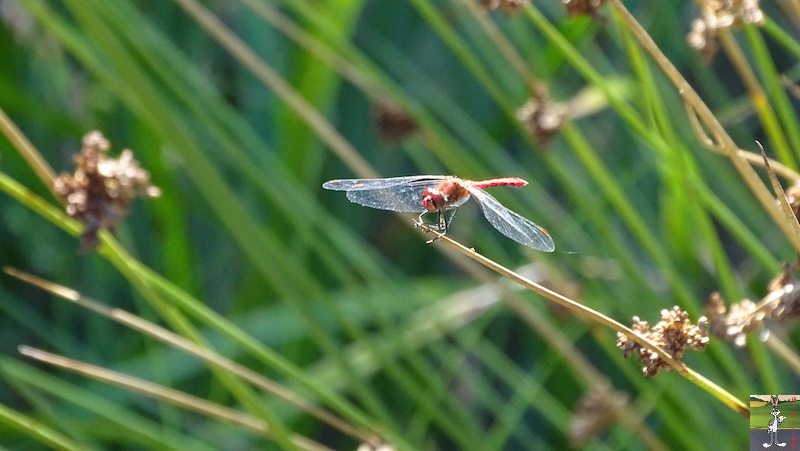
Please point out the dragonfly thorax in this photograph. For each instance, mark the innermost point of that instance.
(447, 193)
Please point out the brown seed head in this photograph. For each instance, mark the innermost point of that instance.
(542, 117)
(101, 190)
(393, 123)
(674, 334)
(595, 412)
(733, 323)
(721, 14)
(583, 7)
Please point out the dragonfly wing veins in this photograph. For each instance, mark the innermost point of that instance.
(511, 224)
(405, 198)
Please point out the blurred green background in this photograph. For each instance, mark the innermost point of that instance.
(240, 110)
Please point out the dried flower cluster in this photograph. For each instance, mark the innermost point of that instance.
(719, 15)
(596, 411)
(393, 123)
(586, 7)
(674, 334)
(543, 117)
(100, 192)
(507, 6)
(734, 323)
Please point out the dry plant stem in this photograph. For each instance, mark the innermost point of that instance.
(779, 168)
(791, 229)
(751, 157)
(556, 297)
(599, 384)
(776, 186)
(178, 342)
(796, 5)
(788, 354)
(175, 397)
(28, 152)
(757, 95)
(282, 89)
(587, 312)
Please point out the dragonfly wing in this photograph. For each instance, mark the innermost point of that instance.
(403, 198)
(511, 224)
(403, 194)
(368, 184)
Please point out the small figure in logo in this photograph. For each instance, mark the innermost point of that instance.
(774, 423)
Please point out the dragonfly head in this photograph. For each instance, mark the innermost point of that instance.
(433, 199)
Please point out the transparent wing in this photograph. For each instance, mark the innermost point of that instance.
(511, 224)
(403, 198)
(367, 184)
(403, 194)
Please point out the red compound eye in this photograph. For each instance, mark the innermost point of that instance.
(433, 199)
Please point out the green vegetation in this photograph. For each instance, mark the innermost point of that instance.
(264, 312)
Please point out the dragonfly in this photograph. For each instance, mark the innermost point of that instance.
(425, 194)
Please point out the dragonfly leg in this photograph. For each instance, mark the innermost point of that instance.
(443, 222)
(439, 224)
(432, 227)
(450, 219)
(426, 226)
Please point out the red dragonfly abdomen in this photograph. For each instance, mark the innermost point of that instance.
(514, 182)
